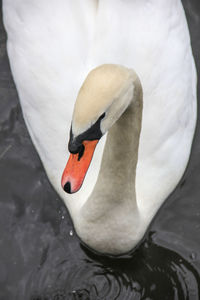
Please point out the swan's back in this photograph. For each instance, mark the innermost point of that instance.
(53, 45)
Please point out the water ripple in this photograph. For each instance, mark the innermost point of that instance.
(151, 272)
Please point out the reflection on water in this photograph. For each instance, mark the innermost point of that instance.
(151, 272)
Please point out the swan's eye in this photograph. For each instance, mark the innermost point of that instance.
(102, 116)
(93, 133)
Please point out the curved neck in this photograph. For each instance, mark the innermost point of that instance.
(111, 209)
(115, 186)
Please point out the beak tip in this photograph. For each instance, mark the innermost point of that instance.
(67, 187)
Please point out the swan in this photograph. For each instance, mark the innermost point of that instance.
(125, 67)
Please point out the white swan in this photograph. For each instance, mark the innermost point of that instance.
(52, 46)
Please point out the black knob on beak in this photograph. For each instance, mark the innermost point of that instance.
(74, 146)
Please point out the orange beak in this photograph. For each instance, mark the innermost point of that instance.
(76, 169)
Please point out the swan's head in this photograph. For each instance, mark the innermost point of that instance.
(104, 96)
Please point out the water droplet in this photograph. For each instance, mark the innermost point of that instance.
(63, 217)
(153, 287)
(71, 233)
(136, 286)
(193, 256)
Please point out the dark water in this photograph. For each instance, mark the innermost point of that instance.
(41, 257)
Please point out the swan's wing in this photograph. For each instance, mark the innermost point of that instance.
(48, 47)
(152, 37)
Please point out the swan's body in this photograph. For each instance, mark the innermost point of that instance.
(52, 46)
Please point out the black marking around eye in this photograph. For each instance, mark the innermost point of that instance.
(92, 133)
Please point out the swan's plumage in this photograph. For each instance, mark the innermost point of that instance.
(52, 45)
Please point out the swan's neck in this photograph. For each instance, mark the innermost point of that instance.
(111, 209)
(116, 181)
